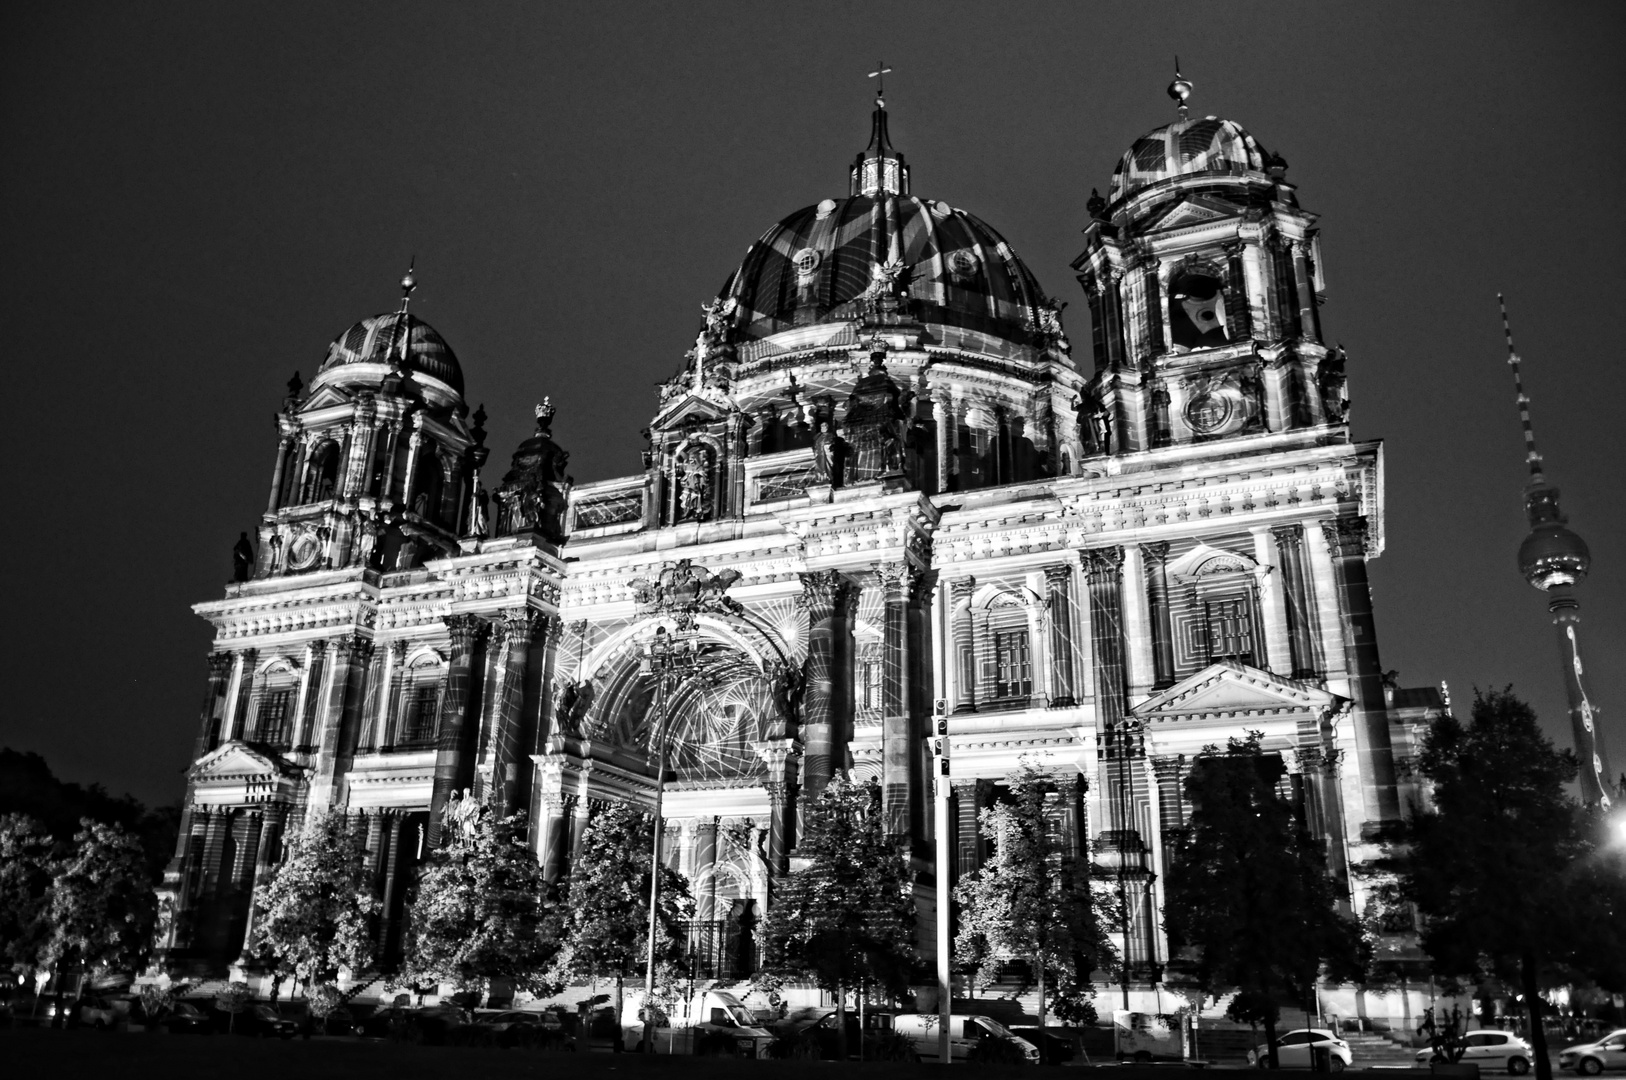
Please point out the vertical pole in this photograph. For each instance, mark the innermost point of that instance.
(655, 869)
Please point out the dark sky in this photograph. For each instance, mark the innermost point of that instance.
(197, 198)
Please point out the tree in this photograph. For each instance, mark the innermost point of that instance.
(1506, 870)
(480, 912)
(847, 917)
(312, 914)
(1248, 891)
(102, 907)
(25, 883)
(605, 902)
(1033, 899)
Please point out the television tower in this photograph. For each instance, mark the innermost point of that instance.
(1554, 560)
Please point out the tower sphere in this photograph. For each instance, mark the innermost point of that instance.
(1552, 556)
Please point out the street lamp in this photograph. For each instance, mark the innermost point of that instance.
(667, 657)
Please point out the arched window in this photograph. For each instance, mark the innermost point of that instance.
(1197, 309)
(321, 473)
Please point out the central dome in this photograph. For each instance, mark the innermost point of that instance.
(815, 266)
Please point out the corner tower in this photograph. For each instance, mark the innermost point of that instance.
(1203, 276)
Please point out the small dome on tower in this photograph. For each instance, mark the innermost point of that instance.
(383, 340)
(1187, 146)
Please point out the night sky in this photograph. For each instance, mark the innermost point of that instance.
(197, 198)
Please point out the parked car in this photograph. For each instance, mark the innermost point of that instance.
(1590, 1059)
(99, 1012)
(966, 1034)
(519, 1027)
(1294, 1050)
(1490, 1050)
(185, 1018)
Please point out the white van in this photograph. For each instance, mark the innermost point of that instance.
(964, 1033)
(711, 1022)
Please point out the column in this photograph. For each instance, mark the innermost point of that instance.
(508, 743)
(1157, 556)
(214, 694)
(1140, 668)
(705, 876)
(970, 796)
(897, 737)
(963, 645)
(265, 856)
(1277, 652)
(943, 408)
(391, 863)
(308, 709)
(1309, 319)
(283, 446)
(827, 697)
(1346, 539)
(1297, 602)
(454, 758)
(1103, 566)
(1059, 601)
(780, 757)
(242, 680)
(1239, 325)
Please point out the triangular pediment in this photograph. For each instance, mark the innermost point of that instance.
(323, 398)
(1232, 689)
(691, 409)
(235, 760)
(1194, 211)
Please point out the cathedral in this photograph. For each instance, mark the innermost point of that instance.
(884, 496)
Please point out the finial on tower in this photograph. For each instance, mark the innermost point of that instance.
(408, 283)
(1180, 89)
(880, 73)
(1531, 456)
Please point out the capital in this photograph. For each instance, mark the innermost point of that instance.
(1347, 537)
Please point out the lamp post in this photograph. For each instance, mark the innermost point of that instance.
(940, 797)
(666, 657)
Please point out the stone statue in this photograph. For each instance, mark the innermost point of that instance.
(242, 559)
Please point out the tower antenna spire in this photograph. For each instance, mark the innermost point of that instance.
(1532, 457)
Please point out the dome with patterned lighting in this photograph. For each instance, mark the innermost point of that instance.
(369, 350)
(821, 264)
(1190, 145)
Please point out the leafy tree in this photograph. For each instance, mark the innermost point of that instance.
(1248, 891)
(1509, 875)
(847, 917)
(312, 914)
(25, 883)
(102, 908)
(605, 903)
(480, 912)
(1033, 899)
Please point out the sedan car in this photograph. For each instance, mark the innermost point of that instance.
(186, 1018)
(1490, 1050)
(1295, 1049)
(1590, 1059)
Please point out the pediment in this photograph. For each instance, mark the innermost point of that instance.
(1194, 211)
(237, 761)
(692, 408)
(1232, 689)
(326, 396)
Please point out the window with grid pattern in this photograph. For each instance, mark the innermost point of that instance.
(271, 726)
(1013, 671)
